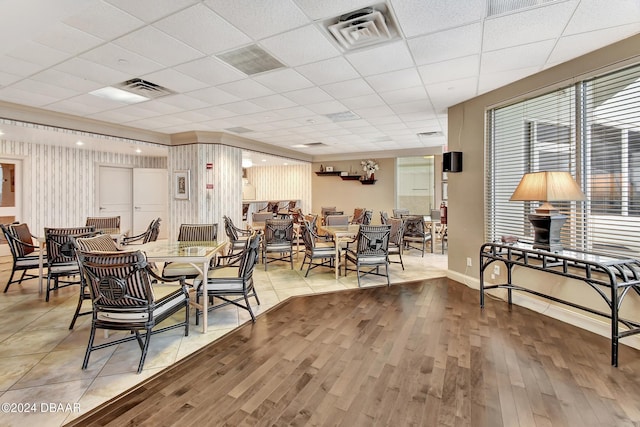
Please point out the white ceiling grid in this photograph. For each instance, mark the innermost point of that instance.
(449, 51)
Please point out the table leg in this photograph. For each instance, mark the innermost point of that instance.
(337, 260)
(40, 266)
(205, 297)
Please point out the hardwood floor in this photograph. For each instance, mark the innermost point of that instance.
(420, 353)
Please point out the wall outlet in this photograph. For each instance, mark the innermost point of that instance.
(496, 270)
(469, 262)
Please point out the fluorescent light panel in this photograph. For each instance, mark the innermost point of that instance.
(115, 94)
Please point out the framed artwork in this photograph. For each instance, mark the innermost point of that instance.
(328, 169)
(445, 191)
(181, 185)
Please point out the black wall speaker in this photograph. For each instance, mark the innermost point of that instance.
(452, 161)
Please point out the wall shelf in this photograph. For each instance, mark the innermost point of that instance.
(368, 181)
(350, 177)
(333, 173)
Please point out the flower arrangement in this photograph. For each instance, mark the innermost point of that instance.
(369, 167)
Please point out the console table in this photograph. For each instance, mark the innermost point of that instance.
(612, 278)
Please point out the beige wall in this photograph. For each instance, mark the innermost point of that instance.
(348, 195)
(466, 189)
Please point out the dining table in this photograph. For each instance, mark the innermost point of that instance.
(341, 234)
(197, 253)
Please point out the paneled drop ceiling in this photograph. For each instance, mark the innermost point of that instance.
(375, 97)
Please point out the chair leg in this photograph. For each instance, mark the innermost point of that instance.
(92, 337)
(386, 268)
(10, 280)
(246, 300)
(144, 349)
(186, 319)
(77, 313)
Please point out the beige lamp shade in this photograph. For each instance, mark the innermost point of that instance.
(548, 186)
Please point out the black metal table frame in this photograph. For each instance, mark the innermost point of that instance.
(600, 272)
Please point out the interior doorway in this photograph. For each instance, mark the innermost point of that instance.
(10, 196)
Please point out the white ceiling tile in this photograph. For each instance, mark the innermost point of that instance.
(246, 89)
(295, 112)
(151, 10)
(362, 101)
(79, 107)
(413, 107)
(373, 112)
(329, 71)
(18, 67)
(394, 80)
(595, 15)
(158, 46)
(348, 89)
(104, 21)
(118, 58)
(283, 80)
(445, 45)
(46, 89)
(516, 57)
(382, 59)
(429, 16)
(8, 78)
(12, 94)
(174, 80)
(111, 116)
(37, 53)
(211, 71)
(92, 70)
(274, 101)
(490, 81)
(570, 47)
(213, 96)
(327, 107)
(260, 19)
(413, 94)
(68, 39)
(201, 28)
(182, 102)
(331, 8)
(453, 69)
(444, 95)
(293, 47)
(192, 116)
(153, 108)
(541, 23)
(217, 113)
(243, 107)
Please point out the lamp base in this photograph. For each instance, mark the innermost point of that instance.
(547, 231)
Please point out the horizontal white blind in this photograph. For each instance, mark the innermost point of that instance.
(592, 130)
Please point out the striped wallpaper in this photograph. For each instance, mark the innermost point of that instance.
(59, 183)
(291, 182)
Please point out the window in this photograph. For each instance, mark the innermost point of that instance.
(416, 183)
(590, 129)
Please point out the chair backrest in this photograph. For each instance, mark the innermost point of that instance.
(337, 220)
(366, 219)
(261, 216)
(60, 245)
(278, 231)
(153, 231)
(20, 239)
(397, 213)
(332, 213)
(325, 209)
(229, 229)
(297, 215)
(373, 240)
(384, 217)
(414, 226)
(312, 219)
(272, 207)
(198, 232)
(249, 258)
(292, 205)
(99, 243)
(104, 222)
(397, 230)
(435, 214)
(117, 280)
(358, 216)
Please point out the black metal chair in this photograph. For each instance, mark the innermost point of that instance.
(123, 299)
(316, 249)
(395, 239)
(104, 222)
(372, 251)
(358, 216)
(336, 220)
(398, 213)
(24, 253)
(416, 233)
(237, 236)
(150, 234)
(61, 260)
(384, 218)
(232, 279)
(190, 233)
(98, 243)
(278, 239)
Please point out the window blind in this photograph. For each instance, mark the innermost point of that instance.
(590, 129)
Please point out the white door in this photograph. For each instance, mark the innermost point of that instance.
(150, 192)
(10, 196)
(115, 188)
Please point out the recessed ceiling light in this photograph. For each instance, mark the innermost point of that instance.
(300, 146)
(247, 163)
(115, 94)
(79, 143)
(138, 150)
(1, 133)
(286, 164)
(264, 160)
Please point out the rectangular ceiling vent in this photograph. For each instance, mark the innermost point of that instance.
(251, 60)
(144, 88)
(499, 7)
(315, 144)
(342, 116)
(364, 27)
(432, 139)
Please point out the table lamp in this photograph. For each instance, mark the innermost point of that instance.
(547, 187)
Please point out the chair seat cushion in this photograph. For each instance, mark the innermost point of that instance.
(64, 268)
(133, 316)
(324, 251)
(29, 261)
(227, 272)
(176, 269)
(283, 247)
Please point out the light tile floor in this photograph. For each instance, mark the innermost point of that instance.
(40, 358)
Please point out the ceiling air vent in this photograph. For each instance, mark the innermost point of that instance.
(144, 88)
(251, 60)
(432, 139)
(342, 116)
(364, 27)
(499, 7)
(239, 129)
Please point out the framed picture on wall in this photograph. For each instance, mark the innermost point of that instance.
(181, 185)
